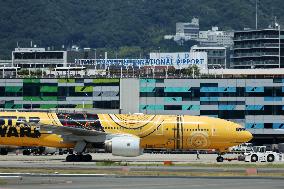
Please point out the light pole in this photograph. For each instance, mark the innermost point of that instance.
(279, 45)
(84, 100)
(95, 56)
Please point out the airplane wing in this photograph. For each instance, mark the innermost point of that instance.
(80, 136)
(64, 130)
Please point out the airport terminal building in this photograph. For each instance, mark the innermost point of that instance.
(257, 104)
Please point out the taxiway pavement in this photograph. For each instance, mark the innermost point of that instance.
(140, 182)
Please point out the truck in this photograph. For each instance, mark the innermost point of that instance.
(260, 154)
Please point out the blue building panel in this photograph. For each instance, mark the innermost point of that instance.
(208, 89)
(209, 98)
(177, 89)
(254, 89)
(151, 107)
(254, 126)
(236, 99)
(173, 99)
(191, 107)
(269, 98)
(147, 89)
(147, 80)
(218, 89)
(254, 107)
(226, 107)
(278, 125)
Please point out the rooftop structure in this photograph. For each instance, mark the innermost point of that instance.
(214, 37)
(216, 55)
(38, 58)
(258, 49)
(186, 30)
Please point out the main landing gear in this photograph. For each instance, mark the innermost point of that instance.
(79, 158)
(220, 158)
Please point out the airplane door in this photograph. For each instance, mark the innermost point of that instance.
(214, 131)
(160, 128)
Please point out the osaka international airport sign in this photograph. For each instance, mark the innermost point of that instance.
(178, 60)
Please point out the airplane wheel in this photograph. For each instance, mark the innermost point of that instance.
(270, 158)
(79, 158)
(220, 159)
(26, 153)
(87, 158)
(70, 158)
(254, 158)
(3, 152)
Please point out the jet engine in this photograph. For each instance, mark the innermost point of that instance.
(126, 146)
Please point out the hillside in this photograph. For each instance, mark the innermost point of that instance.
(120, 23)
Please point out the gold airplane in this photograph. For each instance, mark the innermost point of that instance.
(120, 134)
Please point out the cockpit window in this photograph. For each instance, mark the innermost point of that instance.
(240, 129)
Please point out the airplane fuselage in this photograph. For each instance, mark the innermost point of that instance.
(155, 131)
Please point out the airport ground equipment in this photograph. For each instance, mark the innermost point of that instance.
(260, 154)
(242, 148)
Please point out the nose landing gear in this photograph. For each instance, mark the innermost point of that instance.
(220, 158)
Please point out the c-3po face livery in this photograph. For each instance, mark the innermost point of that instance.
(121, 134)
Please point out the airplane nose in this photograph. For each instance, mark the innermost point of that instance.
(248, 136)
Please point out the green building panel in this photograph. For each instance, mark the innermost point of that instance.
(87, 106)
(49, 98)
(84, 89)
(31, 80)
(13, 89)
(38, 98)
(48, 89)
(17, 106)
(99, 81)
(9, 105)
(66, 81)
(32, 98)
(48, 106)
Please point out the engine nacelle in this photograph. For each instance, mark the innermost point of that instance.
(126, 146)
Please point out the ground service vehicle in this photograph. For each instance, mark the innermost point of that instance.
(260, 154)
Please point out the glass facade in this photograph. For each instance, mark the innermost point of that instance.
(59, 93)
(254, 103)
